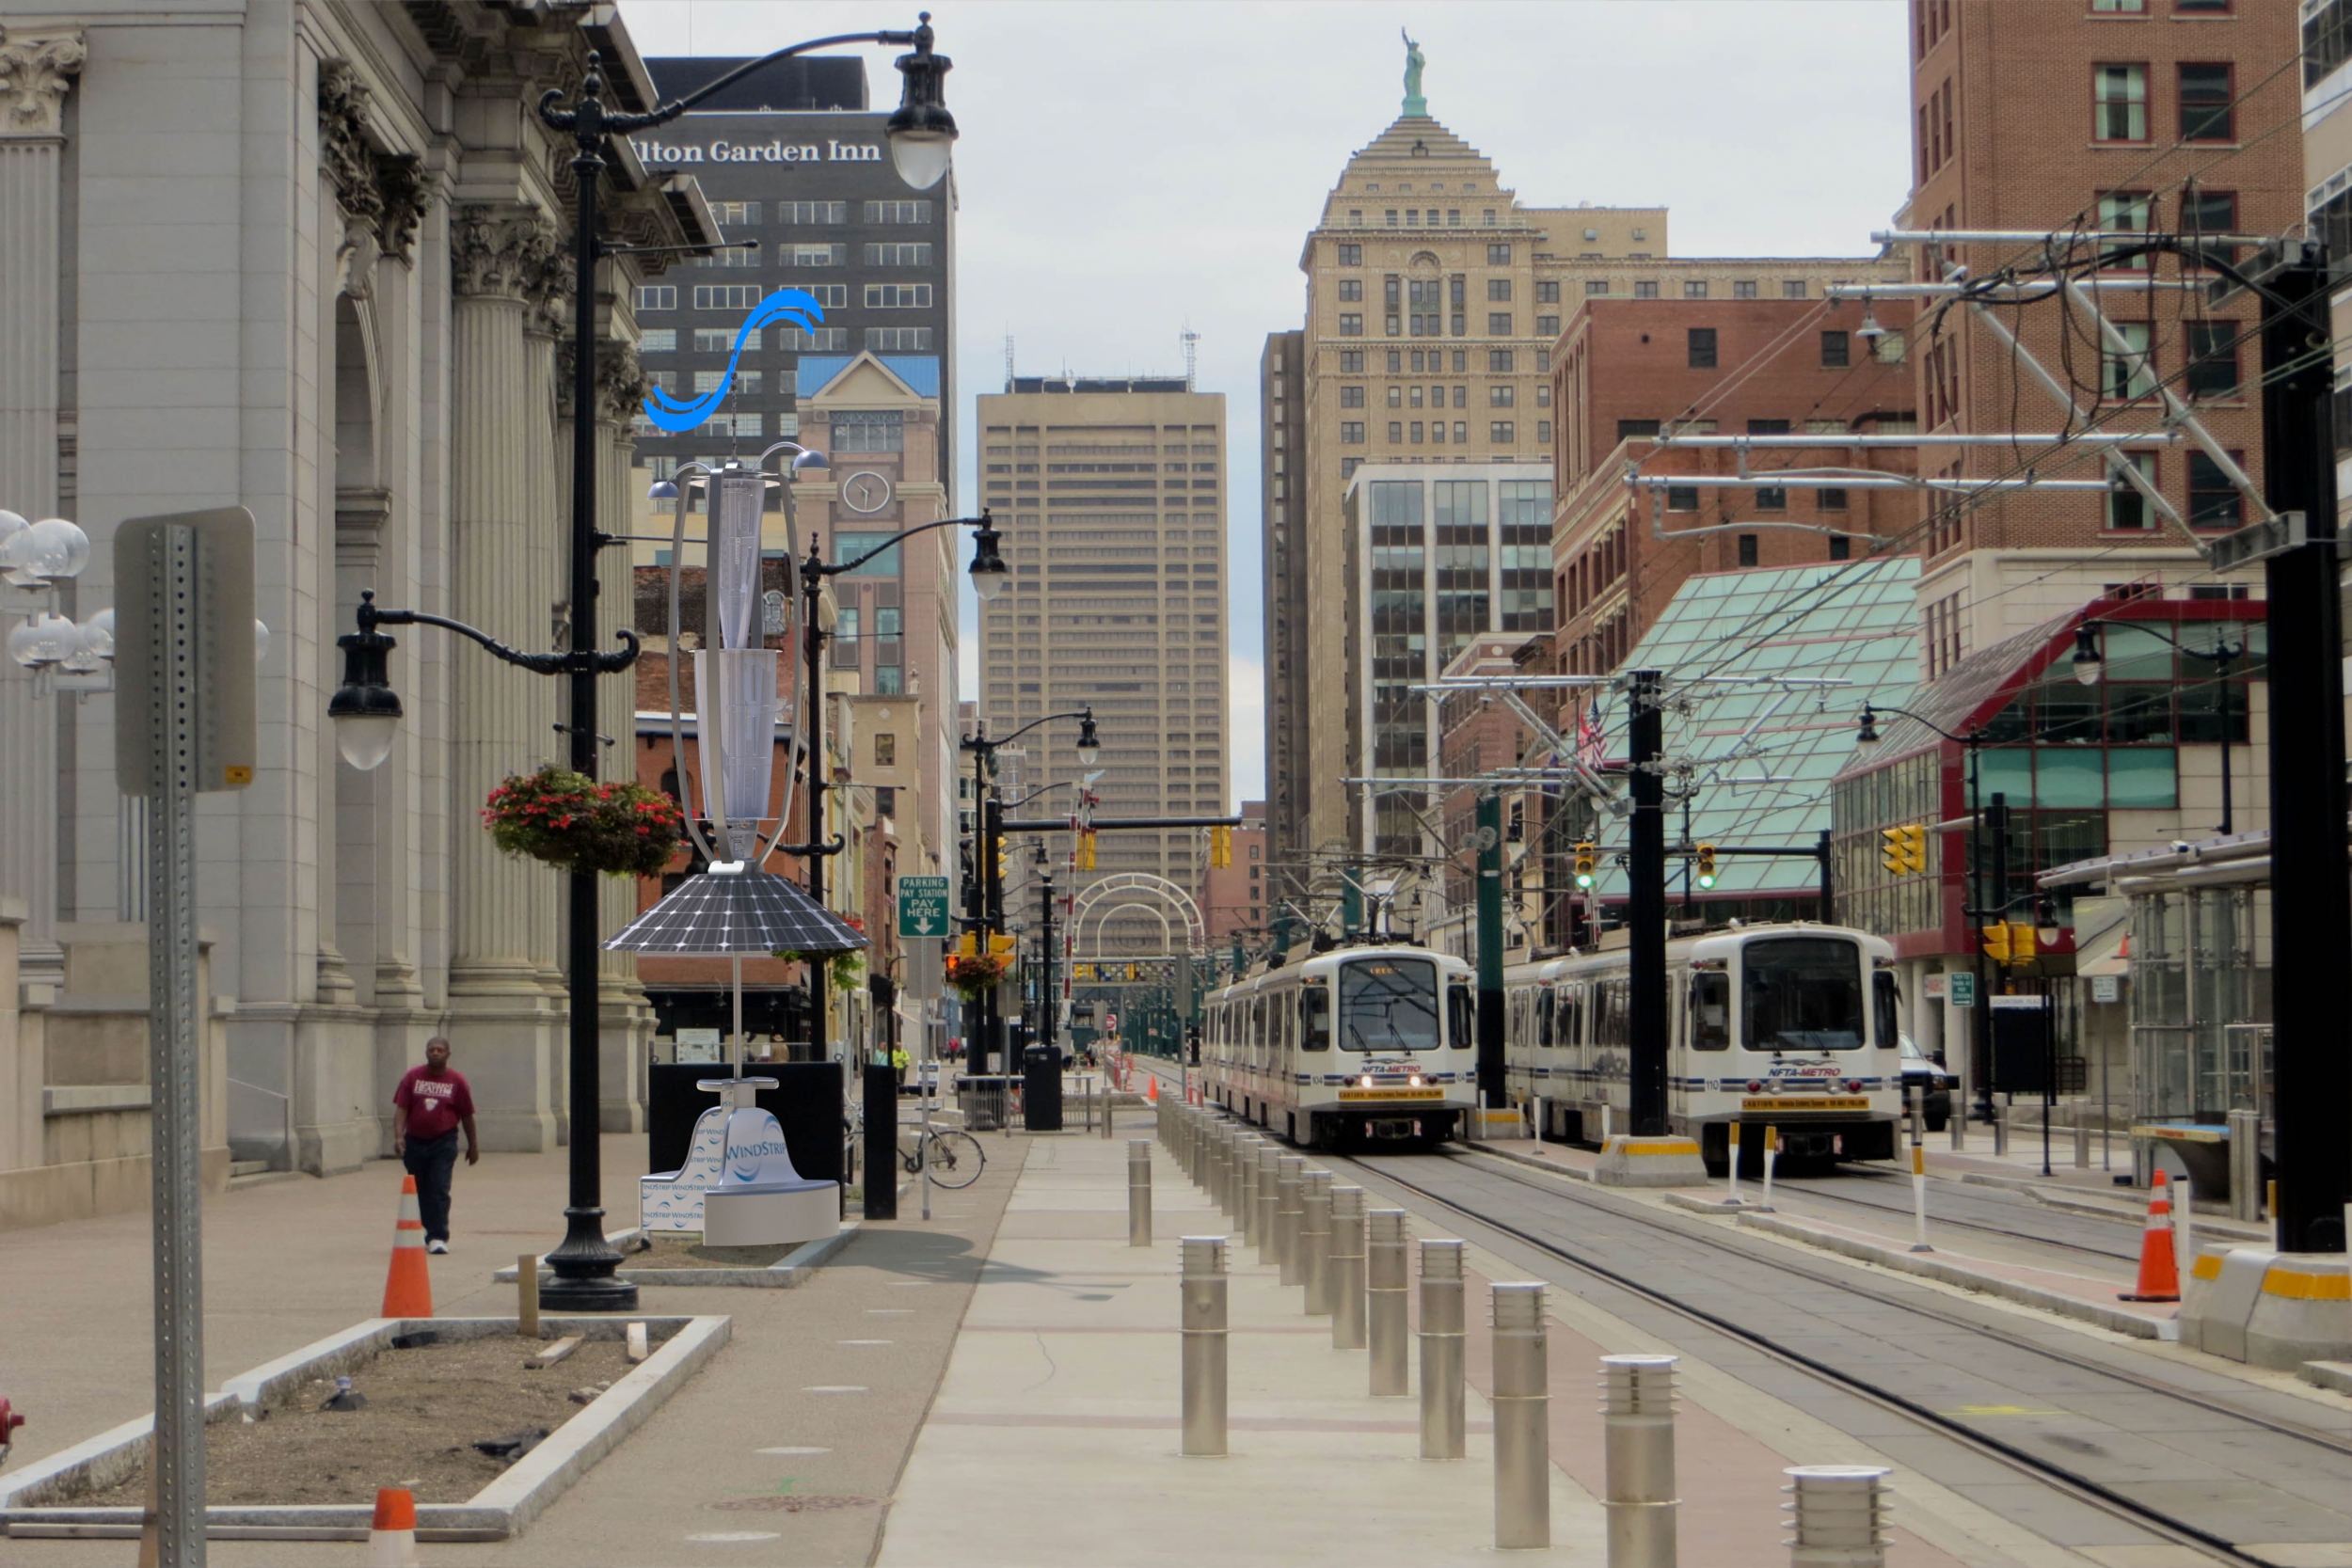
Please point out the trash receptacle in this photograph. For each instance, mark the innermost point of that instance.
(1041, 1090)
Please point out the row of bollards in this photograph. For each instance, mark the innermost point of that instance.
(1351, 1262)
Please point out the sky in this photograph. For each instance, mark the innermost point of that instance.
(1127, 171)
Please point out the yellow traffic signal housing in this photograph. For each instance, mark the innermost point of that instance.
(1892, 852)
(967, 944)
(1585, 865)
(2021, 941)
(1000, 945)
(1086, 851)
(1220, 846)
(1996, 942)
(1915, 847)
(1706, 865)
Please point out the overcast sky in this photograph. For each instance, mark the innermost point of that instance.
(1127, 170)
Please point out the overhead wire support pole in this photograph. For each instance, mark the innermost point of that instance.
(1646, 907)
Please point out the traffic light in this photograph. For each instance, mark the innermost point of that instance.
(1996, 942)
(1915, 847)
(1891, 853)
(1000, 945)
(1584, 866)
(1086, 851)
(2021, 941)
(1706, 865)
(1220, 846)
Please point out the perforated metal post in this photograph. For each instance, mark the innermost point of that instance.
(1314, 1241)
(1229, 1169)
(2000, 1130)
(1269, 1162)
(1204, 1319)
(1386, 1309)
(1290, 1185)
(1246, 1172)
(1523, 1408)
(2082, 1136)
(1138, 1191)
(1442, 1420)
(1344, 1271)
(1638, 1439)
(1837, 1516)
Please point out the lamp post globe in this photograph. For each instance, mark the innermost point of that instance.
(922, 132)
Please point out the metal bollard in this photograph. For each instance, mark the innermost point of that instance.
(1203, 1287)
(1522, 1410)
(1914, 1110)
(2000, 1130)
(1343, 1274)
(1839, 1514)
(2082, 1138)
(1221, 1167)
(1441, 1319)
(2246, 1187)
(1638, 1436)
(1246, 1178)
(1958, 1122)
(1314, 1241)
(1386, 1307)
(1269, 1160)
(1290, 1181)
(1138, 1191)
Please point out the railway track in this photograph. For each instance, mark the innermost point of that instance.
(2162, 1449)
(1962, 1209)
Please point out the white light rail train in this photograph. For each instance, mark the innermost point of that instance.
(1795, 1027)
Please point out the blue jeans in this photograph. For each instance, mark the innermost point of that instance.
(432, 1161)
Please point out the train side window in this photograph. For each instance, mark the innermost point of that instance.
(1461, 1018)
(1314, 1017)
(1546, 1016)
(1711, 1012)
(1886, 999)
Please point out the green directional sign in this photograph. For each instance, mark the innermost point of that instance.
(922, 906)
(1963, 983)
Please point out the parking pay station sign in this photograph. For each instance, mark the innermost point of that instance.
(922, 906)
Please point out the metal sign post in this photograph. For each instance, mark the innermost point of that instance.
(183, 724)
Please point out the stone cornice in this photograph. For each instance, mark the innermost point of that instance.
(35, 69)
(383, 194)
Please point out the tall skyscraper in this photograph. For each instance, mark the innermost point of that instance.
(1429, 288)
(1110, 493)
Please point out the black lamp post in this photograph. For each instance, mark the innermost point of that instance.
(2091, 668)
(984, 902)
(922, 136)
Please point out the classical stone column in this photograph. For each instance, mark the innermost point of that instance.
(506, 1021)
(36, 70)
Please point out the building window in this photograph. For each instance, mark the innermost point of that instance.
(721, 340)
(1499, 361)
(1500, 395)
(1351, 361)
(2132, 372)
(2212, 359)
(898, 340)
(728, 425)
(1391, 216)
(1594, 287)
(1352, 325)
(1497, 289)
(1629, 429)
(1695, 289)
(2123, 211)
(899, 253)
(1351, 255)
(1502, 433)
(1543, 431)
(1682, 497)
(1351, 397)
(1347, 467)
(2118, 103)
(1352, 288)
(1498, 255)
(1396, 397)
(1836, 351)
(1417, 432)
(2127, 509)
(2205, 212)
(1793, 289)
(885, 750)
(1547, 327)
(660, 339)
(1747, 549)
(726, 296)
(1830, 500)
(1743, 290)
(813, 211)
(1772, 498)
(657, 296)
(2212, 501)
(2205, 110)
(868, 429)
(818, 256)
(1351, 433)
(732, 255)
(890, 211)
(812, 340)
(1397, 432)
(2131, 7)
(1645, 287)
(897, 296)
(1702, 348)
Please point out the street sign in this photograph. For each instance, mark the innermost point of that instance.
(922, 906)
(1963, 986)
(2107, 988)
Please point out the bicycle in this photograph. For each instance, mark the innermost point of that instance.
(955, 1156)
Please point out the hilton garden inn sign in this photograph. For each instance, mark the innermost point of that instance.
(665, 156)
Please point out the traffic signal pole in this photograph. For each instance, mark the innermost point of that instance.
(1646, 907)
(1490, 1051)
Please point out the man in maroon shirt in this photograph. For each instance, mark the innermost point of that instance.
(428, 1108)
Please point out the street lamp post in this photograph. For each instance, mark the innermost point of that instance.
(922, 136)
(984, 902)
(2091, 668)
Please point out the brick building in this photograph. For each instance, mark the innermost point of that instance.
(1630, 376)
(1235, 898)
(2115, 115)
(1477, 735)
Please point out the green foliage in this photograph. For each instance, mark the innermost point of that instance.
(573, 823)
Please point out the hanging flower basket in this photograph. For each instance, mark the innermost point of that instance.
(974, 974)
(847, 971)
(573, 823)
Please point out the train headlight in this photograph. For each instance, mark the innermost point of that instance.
(1415, 1080)
(1365, 1080)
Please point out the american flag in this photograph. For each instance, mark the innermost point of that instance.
(1588, 741)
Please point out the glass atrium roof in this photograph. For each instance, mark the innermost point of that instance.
(1763, 755)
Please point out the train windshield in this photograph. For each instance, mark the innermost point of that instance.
(1388, 1005)
(1802, 993)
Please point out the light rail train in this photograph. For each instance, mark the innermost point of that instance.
(1795, 1027)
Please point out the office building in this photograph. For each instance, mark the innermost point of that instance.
(1111, 496)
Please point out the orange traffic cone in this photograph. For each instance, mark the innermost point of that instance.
(392, 1538)
(408, 1289)
(1151, 1088)
(2160, 1271)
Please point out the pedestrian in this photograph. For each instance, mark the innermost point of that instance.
(431, 1104)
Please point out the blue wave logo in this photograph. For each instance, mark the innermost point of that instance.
(796, 307)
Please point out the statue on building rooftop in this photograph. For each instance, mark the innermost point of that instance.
(1414, 103)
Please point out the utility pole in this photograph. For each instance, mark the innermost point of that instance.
(1490, 1065)
(1646, 906)
(2311, 1006)
(991, 921)
(1045, 958)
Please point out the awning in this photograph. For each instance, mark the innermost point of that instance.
(2102, 936)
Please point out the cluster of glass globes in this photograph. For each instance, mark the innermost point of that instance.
(40, 555)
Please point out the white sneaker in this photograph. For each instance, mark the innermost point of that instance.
(437, 1246)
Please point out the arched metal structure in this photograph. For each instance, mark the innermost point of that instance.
(1158, 894)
